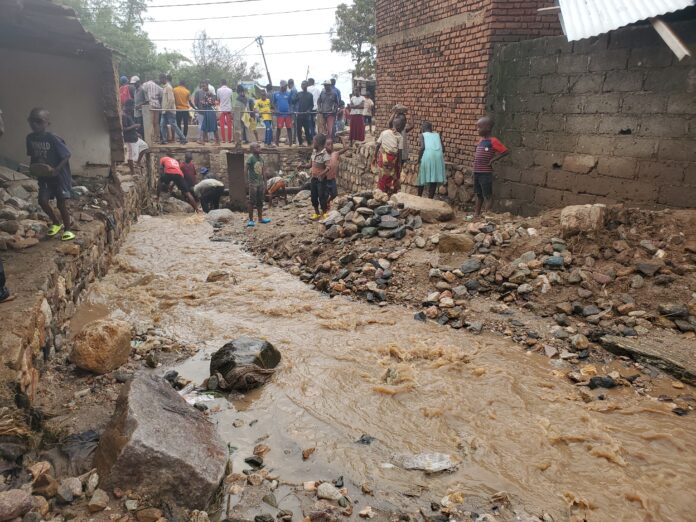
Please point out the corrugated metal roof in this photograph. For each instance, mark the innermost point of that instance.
(585, 18)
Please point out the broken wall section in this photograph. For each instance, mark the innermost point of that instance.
(607, 119)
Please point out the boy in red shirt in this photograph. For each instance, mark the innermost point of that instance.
(488, 150)
(171, 174)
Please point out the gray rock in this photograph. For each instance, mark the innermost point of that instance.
(172, 205)
(590, 310)
(9, 213)
(673, 310)
(383, 210)
(332, 233)
(221, 215)
(369, 231)
(388, 222)
(637, 281)
(32, 516)
(648, 269)
(158, 445)
(11, 227)
(18, 191)
(14, 503)
(470, 265)
(245, 363)
(19, 203)
(69, 490)
(648, 246)
(302, 195)
(525, 289)
(99, 501)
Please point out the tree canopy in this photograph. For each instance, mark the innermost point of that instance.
(355, 34)
(119, 24)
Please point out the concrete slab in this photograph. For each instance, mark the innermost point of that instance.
(670, 352)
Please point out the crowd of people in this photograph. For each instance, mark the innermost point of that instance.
(302, 113)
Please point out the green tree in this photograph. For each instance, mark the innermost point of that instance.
(355, 32)
(212, 60)
(119, 24)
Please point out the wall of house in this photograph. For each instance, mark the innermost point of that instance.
(608, 119)
(434, 60)
(71, 89)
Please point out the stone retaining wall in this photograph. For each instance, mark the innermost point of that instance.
(356, 175)
(49, 280)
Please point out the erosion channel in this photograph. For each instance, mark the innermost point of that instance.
(524, 440)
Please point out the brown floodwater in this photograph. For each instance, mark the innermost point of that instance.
(510, 419)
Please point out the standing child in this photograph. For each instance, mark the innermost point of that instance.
(263, 107)
(331, 189)
(50, 161)
(388, 156)
(318, 169)
(256, 184)
(130, 135)
(431, 157)
(488, 150)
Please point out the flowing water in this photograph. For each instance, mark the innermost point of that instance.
(509, 418)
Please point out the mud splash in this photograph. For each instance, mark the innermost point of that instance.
(350, 369)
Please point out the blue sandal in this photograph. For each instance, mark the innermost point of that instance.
(251, 223)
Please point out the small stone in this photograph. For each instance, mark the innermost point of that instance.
(637, 282)
(328, 491)
(263, 517)
(366, 513)
(565, 308)
(579, 342)
(602, 382)
(673, 310)
(550, 351)
(99, 501)
(470, 265)
(525, 289)
(217, 275)
(590, 310)
(270, 499)
(648, 246)
(131, 505)
(32, 516)
(14, 503)
(648, 269)
(69, 490)
(419, 242)
(554, 262)
(307, 453)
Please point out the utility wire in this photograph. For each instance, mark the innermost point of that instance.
(237, 37)
(203, 3)
(241, 16)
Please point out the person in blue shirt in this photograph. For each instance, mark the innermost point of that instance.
(281, 106)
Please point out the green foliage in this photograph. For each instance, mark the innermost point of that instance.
(355, 35)
(119, 24)
(215, 62)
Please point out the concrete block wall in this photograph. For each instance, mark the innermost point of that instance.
(607, 119)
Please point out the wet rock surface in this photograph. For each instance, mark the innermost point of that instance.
(243, 364)
(102, 346)
(160, 446)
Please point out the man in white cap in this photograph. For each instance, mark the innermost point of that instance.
(327, 107)
(281, 106)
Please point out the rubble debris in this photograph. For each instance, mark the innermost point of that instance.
(158, 445)
(428, 462)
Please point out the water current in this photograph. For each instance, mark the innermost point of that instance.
(509, 418)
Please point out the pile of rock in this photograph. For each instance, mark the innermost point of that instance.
(21, 223)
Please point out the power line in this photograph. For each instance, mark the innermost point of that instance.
(293, 52)
(237, 37)
(243, 16)
(203, 3)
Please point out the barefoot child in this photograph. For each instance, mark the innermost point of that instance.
(256, 185)
(488, 150)
(50, 162)
(331, 189)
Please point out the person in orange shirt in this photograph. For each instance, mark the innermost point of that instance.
(182, 99)
(171, 174)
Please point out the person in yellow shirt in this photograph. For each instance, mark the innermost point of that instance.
(263, 107)
(182, 99)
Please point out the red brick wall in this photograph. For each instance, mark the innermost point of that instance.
(437, 64)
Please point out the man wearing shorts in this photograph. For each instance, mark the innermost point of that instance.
(172, 175)
(281, 104)
(256, 185)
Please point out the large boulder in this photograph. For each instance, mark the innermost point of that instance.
(243, 364)
(431, 210)
(583, 219)
(102, 345)
(161, 447)
(455, 243)
(172, 205)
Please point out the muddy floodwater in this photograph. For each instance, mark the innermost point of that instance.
(510, 419)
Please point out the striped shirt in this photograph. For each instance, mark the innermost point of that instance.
(486, 149)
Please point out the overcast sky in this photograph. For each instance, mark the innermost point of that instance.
(284, 60)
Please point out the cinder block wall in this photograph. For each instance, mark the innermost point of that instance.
(607, 119)
(434, 57)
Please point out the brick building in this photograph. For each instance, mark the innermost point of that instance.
(606, 119)
(434, 58)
